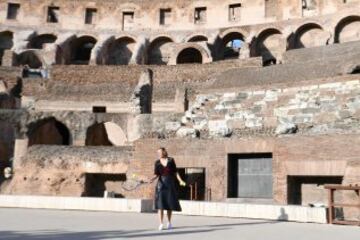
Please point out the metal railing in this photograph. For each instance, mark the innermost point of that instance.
(194, 192)
(332, 204)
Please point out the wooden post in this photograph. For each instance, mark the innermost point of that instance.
(331, 205)
(196, 191)
(191, 192)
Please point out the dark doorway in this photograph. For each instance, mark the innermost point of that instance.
(40, 41)
(31, 59)
(189, 55)
(96, 135)
(192, 176)
(81, 49)
(356, 70)
(97, 183)
(250, 175)
(48, 131)
(6, 42)
(231, 45)
(303, 190)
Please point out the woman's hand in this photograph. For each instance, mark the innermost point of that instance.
(182, 183)
(151, 180)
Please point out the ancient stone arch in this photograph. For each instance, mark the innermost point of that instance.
(348, 29)
(31, 58)
(40, 41)
(197, 38)
(190, 53)
(229, 44)
(159, 50)
(48, 131)
(269, 44)
(120, 51)
(80, 49)
(309, 35)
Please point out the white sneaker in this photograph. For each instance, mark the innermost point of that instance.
(161, 227)
(169, 226)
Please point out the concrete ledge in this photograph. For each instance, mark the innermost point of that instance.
(195, 208)
(76, 203)
(45, 105)
(258, 211)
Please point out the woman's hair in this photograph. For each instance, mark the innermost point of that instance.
(164, 152)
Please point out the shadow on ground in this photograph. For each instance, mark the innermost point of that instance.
(97, 235)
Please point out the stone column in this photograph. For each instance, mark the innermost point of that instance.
(181, 101)
(245, 51)
(20, 150)
(138, 55)
(142, 95)
(99, 52)
(9, 58)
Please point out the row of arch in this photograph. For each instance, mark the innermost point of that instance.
(120, 51)
(50, 131)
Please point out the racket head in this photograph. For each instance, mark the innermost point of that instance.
(132, 184)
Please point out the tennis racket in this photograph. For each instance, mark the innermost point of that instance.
(133, 183)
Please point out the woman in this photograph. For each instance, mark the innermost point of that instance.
(166, 197)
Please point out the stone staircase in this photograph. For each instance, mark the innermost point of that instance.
(315, 108)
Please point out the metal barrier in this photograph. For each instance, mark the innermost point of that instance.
(332, 205)
(194, 192)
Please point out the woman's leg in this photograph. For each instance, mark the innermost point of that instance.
(169, 213)
(161, 215)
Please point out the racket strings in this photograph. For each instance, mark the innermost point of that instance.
(132, 184)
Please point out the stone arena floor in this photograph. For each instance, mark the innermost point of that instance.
(53, 224)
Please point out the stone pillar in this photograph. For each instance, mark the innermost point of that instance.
(78, 136)
(21, 40)
(138, 55)
(99, 51)
(181, 100)
(49, 54)
(3, 88)
(281, 51)
(63, 51)
(245, 51)
(142, 95)
(20, 150)
(79, 142)
(8, 59)
(280, 184)
(136, 125)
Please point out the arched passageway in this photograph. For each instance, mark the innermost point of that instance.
(189, 55)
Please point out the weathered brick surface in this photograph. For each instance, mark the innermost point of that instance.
(314, 109)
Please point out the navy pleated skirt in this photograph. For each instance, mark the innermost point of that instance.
(166, 194)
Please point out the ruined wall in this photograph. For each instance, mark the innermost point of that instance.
(269, 39)
(116, 83)
(182, 14)
(65, 168)
(291, 72)
(305, 111)
(332, 106)
(309, 127)
(306, 156)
